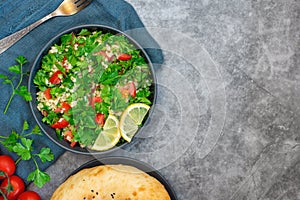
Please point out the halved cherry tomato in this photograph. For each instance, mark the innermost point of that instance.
(54, 79)
(129, 88)
(29, 195)
(64, 62)
(97, 99)
(61, 123)
(100, 119)
(73, 144)
(57, 110)
(132, 89)
(65, 106)
(7, 165)
(124, 57)
(47, 93)
(94, 100)
(18, 187)
(68, 136)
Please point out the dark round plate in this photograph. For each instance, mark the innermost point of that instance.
(50, 132)
(131, 162)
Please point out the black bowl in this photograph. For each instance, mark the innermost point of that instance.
(50, 132)
(113, 160)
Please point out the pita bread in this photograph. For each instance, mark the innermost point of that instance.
(111, 182)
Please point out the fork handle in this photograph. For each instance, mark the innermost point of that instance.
(8, 41)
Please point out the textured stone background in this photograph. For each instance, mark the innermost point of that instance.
(228, 100)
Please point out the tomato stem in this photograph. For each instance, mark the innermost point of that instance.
(3, 195)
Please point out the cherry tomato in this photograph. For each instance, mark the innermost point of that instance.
(68, 135)
(73, 144)
(100, 119)
(94, 100)
(7, 165)
(64, 62)
(47, 93)
(132, 89)
(65, 106)
(61, 123)
(124, 57)
(54, 79)
(18, 187)
(129, 88)
(1, 198)
(57, 110)
(29, 195)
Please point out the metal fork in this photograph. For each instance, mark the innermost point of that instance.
(66, 8)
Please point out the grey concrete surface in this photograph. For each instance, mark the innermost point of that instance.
(226, 124)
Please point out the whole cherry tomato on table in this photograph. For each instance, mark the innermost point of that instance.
(29, 195)
(17, 184)
(7, 165)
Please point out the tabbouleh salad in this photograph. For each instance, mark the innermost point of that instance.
(86, 78)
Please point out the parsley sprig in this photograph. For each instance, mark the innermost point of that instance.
(22, 145)
(17, 88)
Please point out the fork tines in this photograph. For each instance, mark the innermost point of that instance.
(82, 3)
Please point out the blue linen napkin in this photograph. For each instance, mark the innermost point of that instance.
(17, 14)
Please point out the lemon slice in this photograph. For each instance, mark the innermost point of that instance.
(131, 118)
(109, 136)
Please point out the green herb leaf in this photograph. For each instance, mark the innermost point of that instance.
(25, 126)
(22, 151)
(11, 141)
(66, 38)
(45, 154)
(15, 69)
(23, 92)
(36, 130)
(3, 76)
(21, 60)
(84, 32)
(38, 177)
(27, 143)
(109, 77)
(7, 81)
